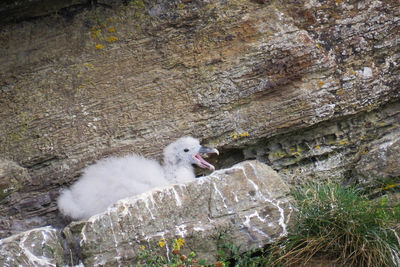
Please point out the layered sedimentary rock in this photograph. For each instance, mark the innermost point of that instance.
(304, 86)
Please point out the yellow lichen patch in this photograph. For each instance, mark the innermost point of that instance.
(88, 65)
(278, 154)
(344, 142)
(318, 46)
(321, 83)
(390, 186)
(210, 6)
(235, 135)
(112, 39)
(241, 135)
(96, 32)
(111, 29)
(339, 2)
(340, 92)
(137, 4)
(181, 6)
(99, 46)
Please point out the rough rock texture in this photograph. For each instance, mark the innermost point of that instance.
(39, 247)
(312, 83)
(248, 204)
(382, 161)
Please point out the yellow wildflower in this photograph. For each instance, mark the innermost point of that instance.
(317, 147)
(143, 247)
(111, 29)
(162, 242)
(99, 46)
(234, 135)
(179, 243)
(246, 134)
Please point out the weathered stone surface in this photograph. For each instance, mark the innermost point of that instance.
(329, 150)
(248, 203)
(380, 161)
(311, 82)
(38, 247)
(12, 177)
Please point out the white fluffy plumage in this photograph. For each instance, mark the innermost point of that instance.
(114, 178)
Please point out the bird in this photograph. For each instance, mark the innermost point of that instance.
(114, 178)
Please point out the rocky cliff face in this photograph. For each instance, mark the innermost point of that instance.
(309, 87)
(246, 204)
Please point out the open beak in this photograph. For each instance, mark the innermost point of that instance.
(199, 161)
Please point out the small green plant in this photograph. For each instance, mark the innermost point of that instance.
(174, 258)
(231, 255)
(339, 224)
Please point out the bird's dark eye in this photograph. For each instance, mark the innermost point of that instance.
(186, 150)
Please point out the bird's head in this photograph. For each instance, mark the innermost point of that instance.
(187, 151)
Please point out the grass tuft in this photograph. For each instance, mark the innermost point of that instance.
(339, 224)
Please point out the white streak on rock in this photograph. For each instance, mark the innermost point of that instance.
(260, 232)
(198, 229)
(220, 194)
(367, 72)
(282, 220)
(235, 197)
(146, 203)
(83, 236)
(118, 257)
(247, 223)
(181, 230)
(177, 198)
(35, 260)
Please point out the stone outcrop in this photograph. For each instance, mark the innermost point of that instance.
(304, 86)
(380, 160)
(38, 247)
(246, 204)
